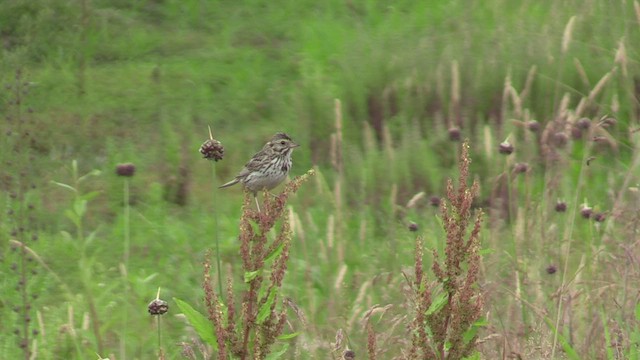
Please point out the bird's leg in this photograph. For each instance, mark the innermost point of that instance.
(255, 197)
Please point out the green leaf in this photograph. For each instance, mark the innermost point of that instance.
(607, 336)
(66, 235)
(72, 216)
(638, 311)
(80, 207)
(438, 303)
(278, 354)
(68, 187)
(200, 323)
(568, 349)
(265, 309)
(473, 330)
(90, 195)
(277, 251)
(250, 275)
(93, 172)
(288, 336)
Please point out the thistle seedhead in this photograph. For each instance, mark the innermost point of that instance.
(413, 227)
(551, 269)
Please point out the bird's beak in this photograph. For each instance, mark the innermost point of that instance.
(293, 145)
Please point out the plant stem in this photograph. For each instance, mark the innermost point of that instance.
(216, 232)
(125, 262)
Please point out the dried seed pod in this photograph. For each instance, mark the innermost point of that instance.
(505, 148)
(126, 170)
(455, 134)
(212, 149)
(435, 201)
(158, 307)
(520, 168)
(561, 206)
(533, 126)
(586, 211)
(583, 123)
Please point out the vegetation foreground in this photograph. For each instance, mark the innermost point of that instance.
(115, 241)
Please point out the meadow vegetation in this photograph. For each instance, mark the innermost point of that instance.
(107, 204)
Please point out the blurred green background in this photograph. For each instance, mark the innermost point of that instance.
(140, 81)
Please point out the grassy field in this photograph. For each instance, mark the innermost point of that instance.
(380, 95)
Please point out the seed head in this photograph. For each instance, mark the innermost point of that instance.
(212, 149)
(608, 122)
(413, 227)
(349, 355)
(126, 170)
(583, 123)
(586, 211)
(454, 133)
(158, 307)
(505, 148)
(600, 217)
(560, 139)
(435, 201)
(533, 126)
(520, 168)
(561, 206)
(551, 269)
(576, 133)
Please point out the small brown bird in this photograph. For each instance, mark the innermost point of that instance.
(268, 167)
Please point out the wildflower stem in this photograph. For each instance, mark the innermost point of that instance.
(216, 231)
(125, 262)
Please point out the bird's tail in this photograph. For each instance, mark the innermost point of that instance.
(230, 183)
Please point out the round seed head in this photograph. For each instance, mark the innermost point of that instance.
(609, 122)
(560, 139)
(520, 168)
(551, 269)
(586, 211)
(126, 170)
(576, 133)
(505, 148)
(435, 201)
(561, 206)
(413, 227)
(349, 355)
(533, 126)
(455, 134)
(583, 123)
(212, 149)
(600, 217)
(158, 307)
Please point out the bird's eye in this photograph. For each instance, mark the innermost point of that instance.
(282, 142)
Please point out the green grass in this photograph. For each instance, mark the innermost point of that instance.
(158, 72)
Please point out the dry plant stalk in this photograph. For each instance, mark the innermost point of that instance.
(447, 309)
(249, 330)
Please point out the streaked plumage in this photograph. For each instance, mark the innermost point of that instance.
(268, 167)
